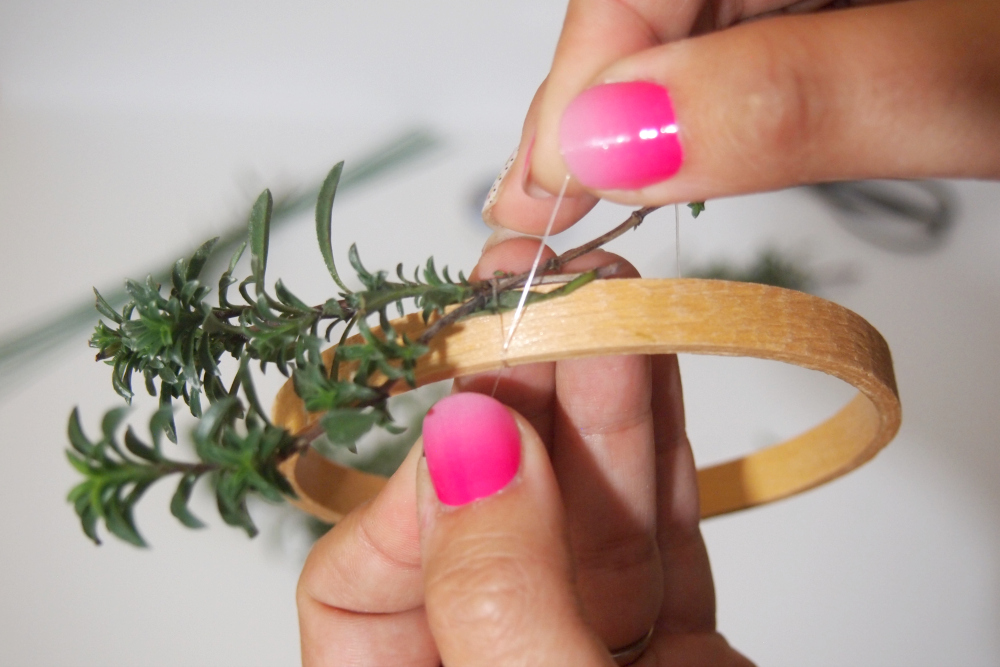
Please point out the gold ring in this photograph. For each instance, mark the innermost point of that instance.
(631, 653)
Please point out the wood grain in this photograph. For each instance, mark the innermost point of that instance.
(642, 316)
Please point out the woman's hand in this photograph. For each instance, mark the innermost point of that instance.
(903, 90)
(576, 534)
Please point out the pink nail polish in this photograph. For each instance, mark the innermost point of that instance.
(621, 136)
(472, 445)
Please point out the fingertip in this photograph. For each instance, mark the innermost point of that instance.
(500, 235)
(598, 258)
(497, 574)
(621, 136)
(472, 447)
(517, 203)
(509, 255)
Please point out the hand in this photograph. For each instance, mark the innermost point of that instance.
(903, 90)
(582, 534)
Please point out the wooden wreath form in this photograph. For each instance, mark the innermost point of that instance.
(641, 316)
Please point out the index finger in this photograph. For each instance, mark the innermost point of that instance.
(598, 33)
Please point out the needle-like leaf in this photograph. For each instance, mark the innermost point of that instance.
(260, 229)
(324, 222)
(180, 499)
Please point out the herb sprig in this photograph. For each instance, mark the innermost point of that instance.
(176, 341)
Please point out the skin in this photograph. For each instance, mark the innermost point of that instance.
(597, 539)
(897, 90)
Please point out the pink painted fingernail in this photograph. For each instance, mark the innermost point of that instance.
(472, 445)
(621, 136)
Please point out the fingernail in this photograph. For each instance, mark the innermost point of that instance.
(472, 445)
(501, 234)
(528, 184)
(621, 136)
(491, 198)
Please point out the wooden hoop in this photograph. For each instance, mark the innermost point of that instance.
(635, 316)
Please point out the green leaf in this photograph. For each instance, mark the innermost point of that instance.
(250, 390)
(324, 222)
(139, 448)
(104, 308)
(177, 274)
(76, 437)
(198, 259)
(215, 418)
(274, 438)
(147, 375)
(121, 379)
(179, 502)
(332, 307)
(230, 494)
(118, 518)
(345, 427)
(355, 259)
(112, 420)
(696, 208)
(264, 487)
(226, 279)
(88, 521)
(234, 260)
(194, 401)
(81, 467)
(287, 298)
(162, 420)
(260, 231)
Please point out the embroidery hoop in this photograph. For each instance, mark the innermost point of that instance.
(659, 316)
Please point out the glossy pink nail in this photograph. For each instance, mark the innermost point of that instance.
(621, 136)
(472, 445)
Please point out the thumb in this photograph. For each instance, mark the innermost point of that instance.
(909, 89)
(497, 575)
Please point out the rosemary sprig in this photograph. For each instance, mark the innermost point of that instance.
(22, 348)
(176, 341)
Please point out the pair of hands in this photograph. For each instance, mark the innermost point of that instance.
(595, 539)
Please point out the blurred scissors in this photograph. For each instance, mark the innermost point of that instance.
(900, 216)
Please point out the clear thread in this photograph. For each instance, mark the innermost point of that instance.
(519, 311)
(503, 355)
(677, 238)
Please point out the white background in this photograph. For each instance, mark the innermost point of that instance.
(129, 132)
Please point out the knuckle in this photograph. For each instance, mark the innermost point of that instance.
(396, 556)
(783, 103)
(618, 553)
(491, 592)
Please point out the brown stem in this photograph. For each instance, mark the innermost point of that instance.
(488, 288)
(633, 221)
(517, 280)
